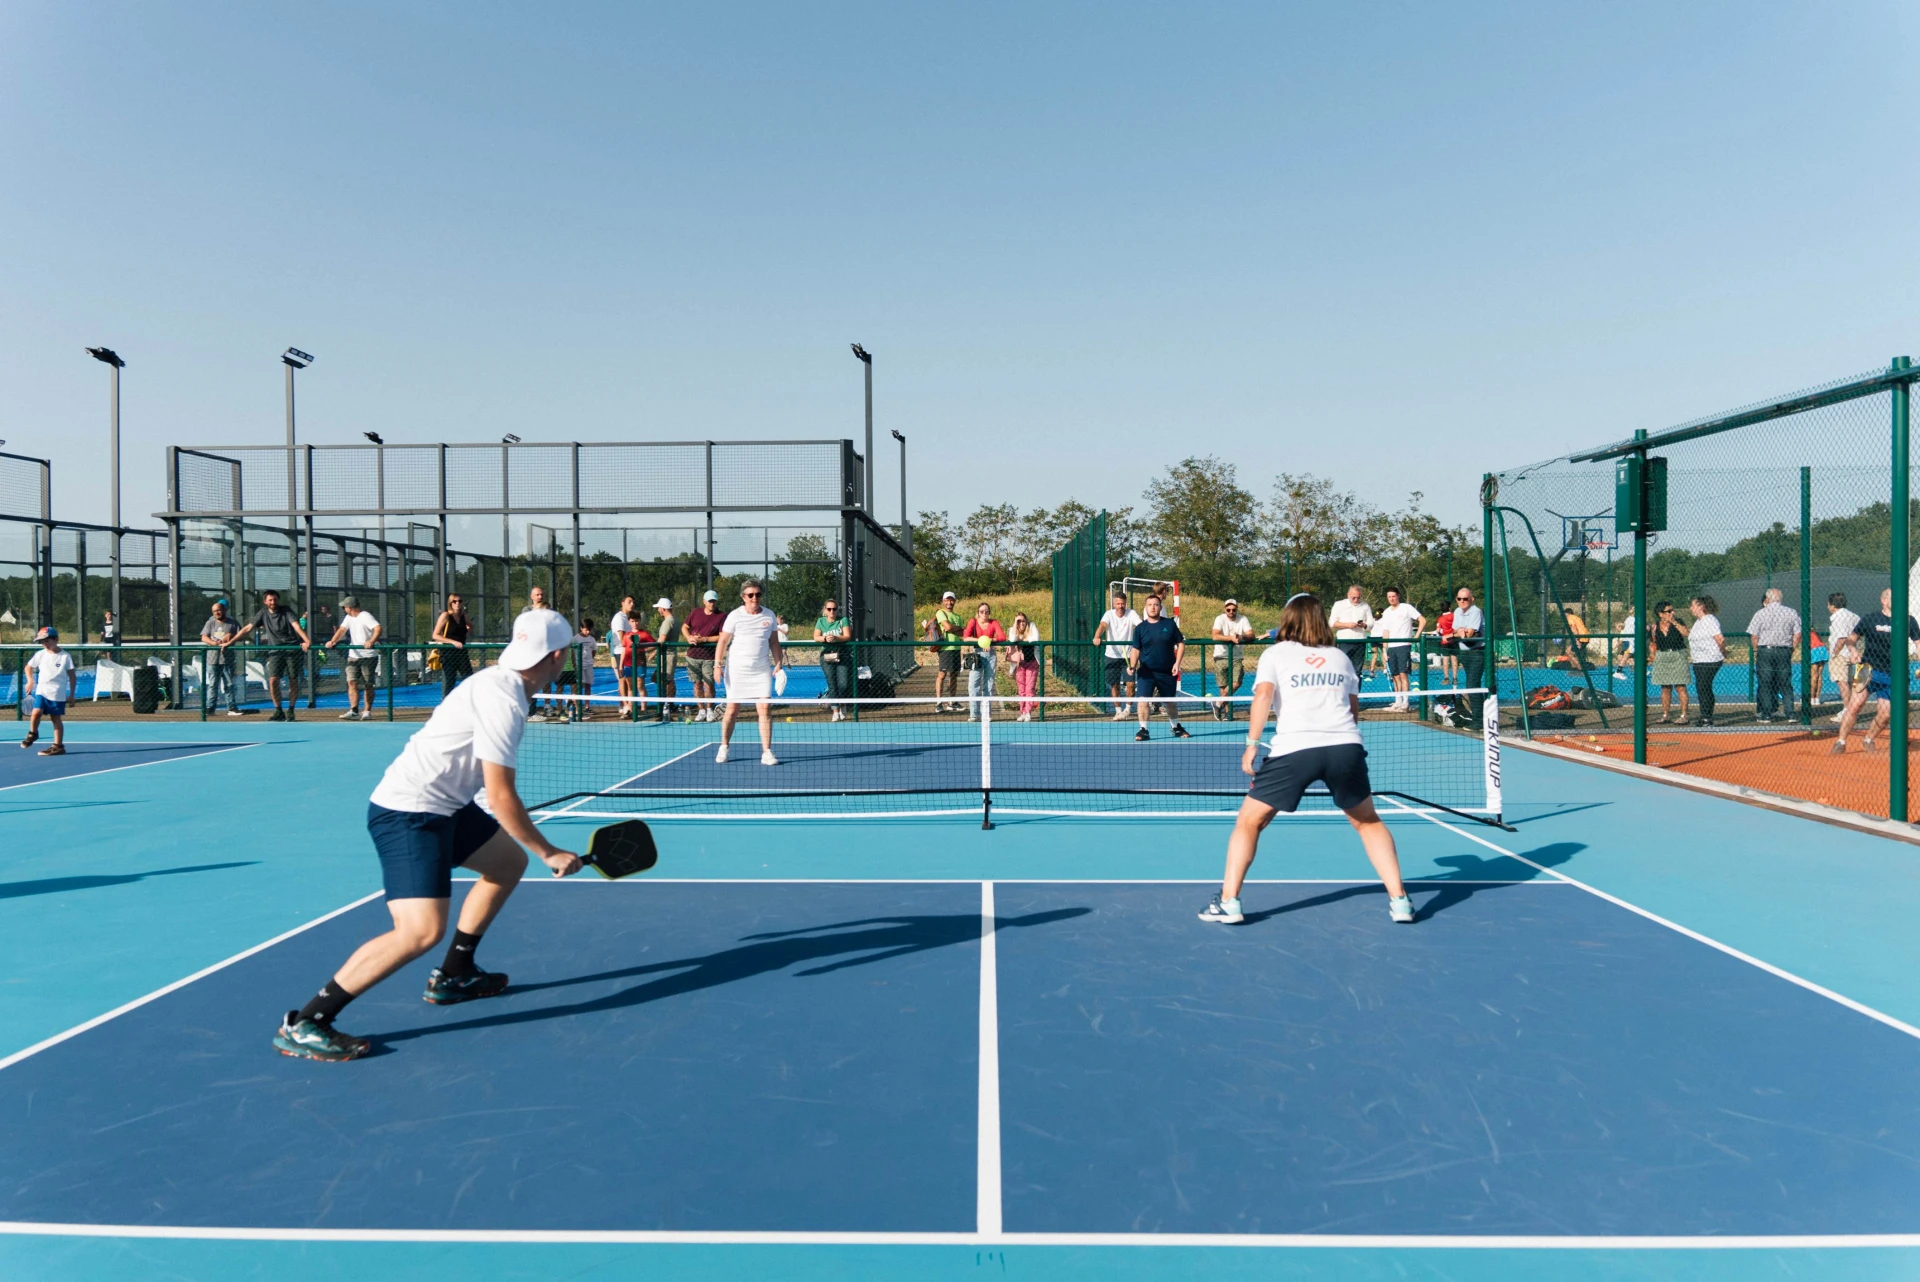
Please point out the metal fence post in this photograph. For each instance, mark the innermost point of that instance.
(1808, 685)
(1643, 633)
(1901, 559)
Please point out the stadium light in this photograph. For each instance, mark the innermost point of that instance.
(107, 356)
(509, 439)
(374, 437)
(906, 529)
(866, 489)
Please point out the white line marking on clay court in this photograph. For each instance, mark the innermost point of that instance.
(1857, 1007)
(987, 1190)
(749, 1237)
(208, 751)
(177, 984)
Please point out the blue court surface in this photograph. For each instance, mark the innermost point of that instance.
(1653, 1034)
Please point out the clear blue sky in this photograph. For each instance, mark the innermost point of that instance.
(1392, 244)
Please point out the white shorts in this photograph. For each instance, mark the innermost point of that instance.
(748, 687)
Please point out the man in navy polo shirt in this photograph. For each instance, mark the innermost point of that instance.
(1155, 654)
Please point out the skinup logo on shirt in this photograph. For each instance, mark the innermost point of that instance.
(1298, 679)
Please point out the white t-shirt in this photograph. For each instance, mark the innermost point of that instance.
(1400, 622)
(1119, 628)
(587, 646)
(1312, 689)
(438, 771)
(360, 632)
(621, 623)
(1350, 622)
(750, 653)
(1700, 646)
(1626, 626)
(1843, 623)
(52, 674)
(1238, 628)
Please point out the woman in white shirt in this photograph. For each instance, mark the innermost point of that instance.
(1311, 687)
(1707, 648)
(749, 654)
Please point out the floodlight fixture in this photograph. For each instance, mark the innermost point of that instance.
(297, 358)
(374, 437)
(897, 436)
(509, 439)
(866, 357)
(107, 355)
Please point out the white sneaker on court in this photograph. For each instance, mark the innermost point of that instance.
(720, 757)
(767, 758)
(1400, 908)
(1223, 910)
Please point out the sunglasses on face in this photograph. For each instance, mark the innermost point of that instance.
(751, 596)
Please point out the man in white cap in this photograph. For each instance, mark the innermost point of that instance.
(447, 801)
(946, 628)
(699, 632)
(667, 681)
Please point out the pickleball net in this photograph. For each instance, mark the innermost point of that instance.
(596, 757)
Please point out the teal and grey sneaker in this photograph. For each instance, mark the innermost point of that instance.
(1400, 908)
(309, 1039)
(1223, 910)
(450, 990)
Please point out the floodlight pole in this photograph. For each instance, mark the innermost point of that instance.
(866, 488)
(906, 529)
(292, 487)
(1901, 667)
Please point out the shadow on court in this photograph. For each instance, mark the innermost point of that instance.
(1455, 887)
(875, 939)
(54, 885)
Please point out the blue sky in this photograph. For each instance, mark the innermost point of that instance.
(1397, 245)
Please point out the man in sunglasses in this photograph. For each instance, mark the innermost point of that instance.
(1468, 629)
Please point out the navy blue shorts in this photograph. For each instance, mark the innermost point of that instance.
(1399, 660)
(418, 851)
(1880, 684)
(1281, 781)
(1155, 685)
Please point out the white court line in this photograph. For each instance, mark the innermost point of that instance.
(987, 1171)
(1010, 881)
(748, 1237)
(158, 993)
(581, 801)
(1858, 1007)
(107, 770)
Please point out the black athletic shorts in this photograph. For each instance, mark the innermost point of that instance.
(1399, 660)
(1155, 685)
(419, 851)
(1281, 781)
(1117, 676)
(950, 661)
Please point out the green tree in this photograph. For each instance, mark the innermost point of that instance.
(803, 577)
(1200, 522)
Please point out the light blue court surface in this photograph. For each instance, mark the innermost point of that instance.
(826, 1049)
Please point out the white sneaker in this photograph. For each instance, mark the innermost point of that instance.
(839, 715)
(1225, 911)
(720, 757)
(349, 715)
(365, 715)
(767, 758)
(538, 716)
(234, 712)
(1400, 908)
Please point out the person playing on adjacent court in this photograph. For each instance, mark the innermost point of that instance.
(833, 633)
(1877, 651)
(1025, 639)
(1668, 668)
(217, 633)
(1117, 626)
(451, 631)
(1352, 620)
(982, 633)
(1312, 687)
(1157, 649)
(749, 655)
(944, 630)
(1231, 631)
(701, 627)
(278, 628)
(448, 800)
(1843, 652)
(50, 669)
(1401, 623)
(1707, 648)
(1775, 630)
(363, 662)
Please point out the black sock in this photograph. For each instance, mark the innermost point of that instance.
(328, 1002)
(460, 955)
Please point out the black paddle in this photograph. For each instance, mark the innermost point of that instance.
(622, 849)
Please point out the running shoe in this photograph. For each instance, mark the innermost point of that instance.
(350, 715)
(278, 715)
(1180, 731)
(1400, 908)
(450, 990)
(289, 715)
(310, 1039)
(1223, 910)
(233, 712)
(720, 757)
(768, 759)
(53, 750)
(1141, 736)
(365, 715)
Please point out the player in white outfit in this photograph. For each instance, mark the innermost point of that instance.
(749, 655)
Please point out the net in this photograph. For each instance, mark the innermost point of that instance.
(588, 758)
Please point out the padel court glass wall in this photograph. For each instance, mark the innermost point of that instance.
(64, 574)
(1809, 494)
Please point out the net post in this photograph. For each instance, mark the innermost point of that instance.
(986, 762)
(1490, 737)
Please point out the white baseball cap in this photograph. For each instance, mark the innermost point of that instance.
(663, 604)
(1229, 601)
(948, 596)
(711, 595)
(536, 634)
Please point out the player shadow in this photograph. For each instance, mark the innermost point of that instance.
(875, 939)
(55, 885)
(1455, 887)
